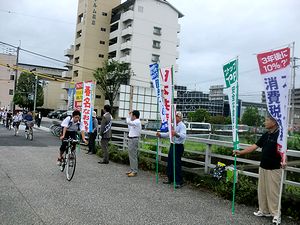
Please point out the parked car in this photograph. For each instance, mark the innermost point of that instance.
(63, 115)
(54, 114)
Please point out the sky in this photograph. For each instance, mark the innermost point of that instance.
(212, 33)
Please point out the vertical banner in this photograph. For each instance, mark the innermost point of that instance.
(71, 96)
(231, 80)
(168, 92)
(87, 105)
(275, 71)
(78, 96)
(154, 72)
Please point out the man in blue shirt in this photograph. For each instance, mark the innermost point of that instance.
(28, 119)
(179, 135)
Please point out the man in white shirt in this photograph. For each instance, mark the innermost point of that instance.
(135, 128)
(179, 135)
(70, 125)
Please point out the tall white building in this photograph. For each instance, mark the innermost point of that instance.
(143, 32)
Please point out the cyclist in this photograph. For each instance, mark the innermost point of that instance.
(8, 119)
(16, 121)
(71, 125)
(28, 119)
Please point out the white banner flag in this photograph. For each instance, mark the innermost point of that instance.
(275, 70)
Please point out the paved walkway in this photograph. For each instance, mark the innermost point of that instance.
(34, 191)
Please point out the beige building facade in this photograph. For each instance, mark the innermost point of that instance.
(7, 80)
(91, 42)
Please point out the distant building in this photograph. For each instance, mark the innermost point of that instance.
(7, 81)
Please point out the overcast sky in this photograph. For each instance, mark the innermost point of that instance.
(212, 32)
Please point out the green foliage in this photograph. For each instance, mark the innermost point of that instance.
(217, 119)
(201, 115)
(227, 120)
(294, 142)
(25, 89)
(251, 117)
(110, 76)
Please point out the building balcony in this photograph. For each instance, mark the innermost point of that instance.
(128, 15)
(70, 51)
(69, 63)
(114, 34)
(127, 31)
(126, 45)
(63, 97)
(113, 48)
(66, 74)
(178, 28)
(125, 59)
(65, 85)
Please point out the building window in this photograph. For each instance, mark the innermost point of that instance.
(11, 92)
(12, 77)
(78, 34)
(76, 60)
(155, 58)
(156, 44)
(102, 42)
(80, 18)
(77, 47)
(104, 14)
(157, 31)
(103, 29)
(101, 56)
(98, 96)
(141, 9)
(75, 74)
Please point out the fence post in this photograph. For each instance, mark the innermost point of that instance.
(207, 158)
(159, 149)
(125, 140)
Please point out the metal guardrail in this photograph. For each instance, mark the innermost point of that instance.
(120, 138)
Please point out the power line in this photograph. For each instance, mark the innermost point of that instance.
(36, 17)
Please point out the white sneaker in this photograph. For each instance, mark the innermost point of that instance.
(276, 220)
(261, 214)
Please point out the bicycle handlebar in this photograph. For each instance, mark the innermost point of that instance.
(71, 140)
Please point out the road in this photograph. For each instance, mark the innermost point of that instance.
(34, 191)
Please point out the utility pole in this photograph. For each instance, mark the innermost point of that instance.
(16, 77)
(35, 93)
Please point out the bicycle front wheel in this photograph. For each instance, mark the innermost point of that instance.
(70, 165)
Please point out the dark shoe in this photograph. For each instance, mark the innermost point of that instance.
(167, 182)
(103, 162)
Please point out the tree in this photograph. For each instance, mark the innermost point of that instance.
(217, 119)
(251, 117)
(201, 115)
(110, 77)
(24, 96)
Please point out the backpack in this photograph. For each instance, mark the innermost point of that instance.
(70, 124)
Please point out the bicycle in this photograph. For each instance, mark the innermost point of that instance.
(16, 127)
(69, 159)
(29, 132)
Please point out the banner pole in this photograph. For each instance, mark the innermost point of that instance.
(173, 138)
(236, 142)
(157, 139)
(288, 115)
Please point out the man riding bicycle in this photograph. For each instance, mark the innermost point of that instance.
(71, 125)
(28, 119)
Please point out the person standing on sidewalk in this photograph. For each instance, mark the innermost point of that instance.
(179, 135)
(269, 171)
(93, 135)
(135, 128)
(105, 133)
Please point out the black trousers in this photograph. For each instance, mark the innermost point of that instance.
(64, 145)
(179, 149)
(92, 138)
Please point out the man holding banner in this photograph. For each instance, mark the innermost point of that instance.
(269, 171)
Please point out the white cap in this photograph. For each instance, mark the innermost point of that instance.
(94, 114)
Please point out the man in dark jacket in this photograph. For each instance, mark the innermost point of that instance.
(93, 135)
(105, 132)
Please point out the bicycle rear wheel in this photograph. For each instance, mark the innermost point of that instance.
(71, 165)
